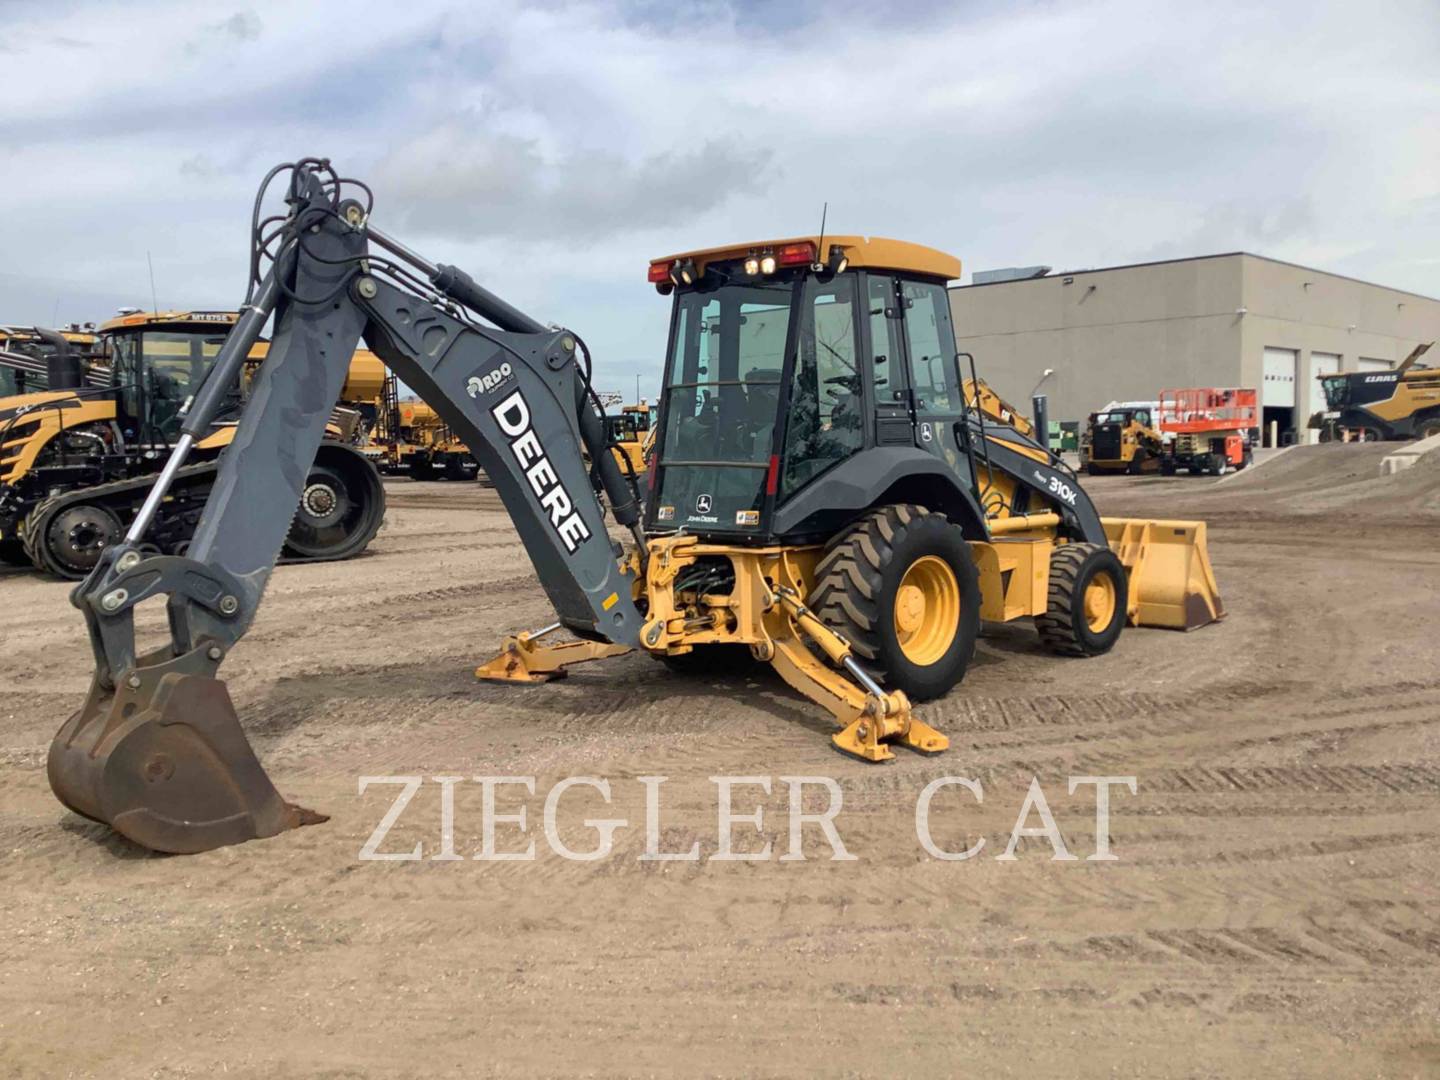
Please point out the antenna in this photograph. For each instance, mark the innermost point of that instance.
(820, 250)
(154, 304)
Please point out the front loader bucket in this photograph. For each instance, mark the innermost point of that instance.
(1171, 582)
(171, 770)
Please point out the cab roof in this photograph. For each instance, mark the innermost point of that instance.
(865, 252)
(169, 318)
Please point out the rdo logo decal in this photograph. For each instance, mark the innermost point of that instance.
(478, 384)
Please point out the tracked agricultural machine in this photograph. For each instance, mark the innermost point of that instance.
(1371, 406)
(77, 461)
(824, 499)
(1208, 430)
(1122, 438)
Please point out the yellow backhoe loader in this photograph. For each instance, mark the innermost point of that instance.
(824, 496)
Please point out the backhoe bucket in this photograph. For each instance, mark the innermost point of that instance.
(167, 765)
(1171, 582)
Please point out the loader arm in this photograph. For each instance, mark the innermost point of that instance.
(157, 751)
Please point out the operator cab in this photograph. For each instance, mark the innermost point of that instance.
(158, 361)
(1124, 417)
(785, 359)
(1337, 391)
(630, 425)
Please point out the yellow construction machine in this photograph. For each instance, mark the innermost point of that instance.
(632, 435)
(1370, 406)
(413, 438)
(1122, 437)
(77, 459)
(825, 497)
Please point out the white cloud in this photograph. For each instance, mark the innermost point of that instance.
(553, 149)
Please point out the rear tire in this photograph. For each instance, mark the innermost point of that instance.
(901, 586)
(1429, 427)
(1088, 596)
(1167, 468)
(422, 470)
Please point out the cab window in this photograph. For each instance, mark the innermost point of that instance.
(884, 338)
(826, 411)
(933, 374)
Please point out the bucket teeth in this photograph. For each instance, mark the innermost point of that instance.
(170, 768)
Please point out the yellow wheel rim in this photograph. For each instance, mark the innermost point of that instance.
(927, 610)
(1099, 602)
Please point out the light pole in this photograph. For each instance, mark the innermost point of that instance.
(1047, 373)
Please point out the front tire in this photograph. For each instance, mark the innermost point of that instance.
(1087, 601)
(901, 586)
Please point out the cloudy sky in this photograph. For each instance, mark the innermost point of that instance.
(553, 148)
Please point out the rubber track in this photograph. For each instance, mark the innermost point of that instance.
(849, 578)
(38, 520)
(1057, 625)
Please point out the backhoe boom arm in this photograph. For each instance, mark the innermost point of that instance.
(516, 396)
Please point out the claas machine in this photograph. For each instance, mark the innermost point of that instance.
(1371, 406)
(824, 499)
(1207, 429)
(77, 460)
(1122, 438)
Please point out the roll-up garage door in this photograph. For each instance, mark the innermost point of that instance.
(1278, 391)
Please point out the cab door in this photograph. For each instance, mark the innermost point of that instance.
(936, 391)
(894, 421)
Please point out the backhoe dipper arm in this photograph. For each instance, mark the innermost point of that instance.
(157, 751)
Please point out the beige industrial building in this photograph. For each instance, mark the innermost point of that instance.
(1127, 332)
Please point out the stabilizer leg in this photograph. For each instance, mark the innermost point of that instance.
(522, 660)
(872, 719)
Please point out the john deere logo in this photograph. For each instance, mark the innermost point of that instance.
(702, 504)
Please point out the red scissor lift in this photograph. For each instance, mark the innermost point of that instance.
(1207, 429)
